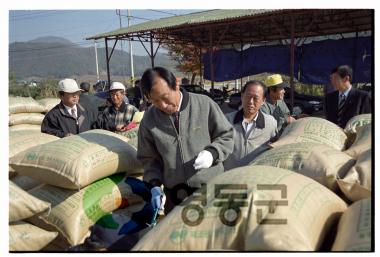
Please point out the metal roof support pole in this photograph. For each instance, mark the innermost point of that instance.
(292, 48)
(108, 63)
(151, 50)
(200, 67)
(211, 62)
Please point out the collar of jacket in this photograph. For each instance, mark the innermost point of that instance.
(123, 107)
(185, 99)
(63, 110)
(260, 121)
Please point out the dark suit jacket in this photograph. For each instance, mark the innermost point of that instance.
(357, 102)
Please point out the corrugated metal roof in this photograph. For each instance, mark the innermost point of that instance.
(187, 19)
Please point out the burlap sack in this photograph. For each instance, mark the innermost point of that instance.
(362, 141)
(26, 237)
(131, 135)
(77, 161)
(356, 185)
(356, 122)
(22, 205)
(263, 195)
(24, 104)
(26, 118)
(319, 162)
(354, 229)
(24, 182)
(28, 127)
(315, 130)
(74, 212)
(22, 140)
(49, 103)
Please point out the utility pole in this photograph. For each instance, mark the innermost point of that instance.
(130, 50)
(118, 12)
(96, 60)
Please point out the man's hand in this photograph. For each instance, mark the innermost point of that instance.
(204, 160)
(290, 119)
(120, 127)
(158, 198)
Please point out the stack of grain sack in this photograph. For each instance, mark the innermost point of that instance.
(25, 113)
(78, 180)
(315, 180)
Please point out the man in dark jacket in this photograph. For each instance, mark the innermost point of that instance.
(87, 100)
(68, 117)
(346, 101)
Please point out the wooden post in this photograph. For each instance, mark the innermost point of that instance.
(211, 62)
(151, 50)
(292, 47)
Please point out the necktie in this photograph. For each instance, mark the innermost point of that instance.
(73, 113)
(340, 107)
(176, 121)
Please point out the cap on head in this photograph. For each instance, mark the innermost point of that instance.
(68, 86)
(117, 86)
(275, 80)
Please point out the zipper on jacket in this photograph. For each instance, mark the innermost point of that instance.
(179, 141)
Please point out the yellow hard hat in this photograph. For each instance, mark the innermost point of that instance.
(275, 80)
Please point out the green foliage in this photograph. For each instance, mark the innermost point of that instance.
(47, 88)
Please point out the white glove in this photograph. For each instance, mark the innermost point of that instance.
(158, 198)
(204, 160)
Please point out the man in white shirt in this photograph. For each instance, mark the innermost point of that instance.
(252, 128)
(69, 117)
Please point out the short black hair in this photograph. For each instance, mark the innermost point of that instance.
(85, 86)
(147, 79)
(254, 82)
(343, 71)
(61, 93)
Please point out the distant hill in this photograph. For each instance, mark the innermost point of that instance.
(61, 58)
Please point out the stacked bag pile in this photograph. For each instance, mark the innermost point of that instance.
(315, 180)
(25, 113)
(82, 178)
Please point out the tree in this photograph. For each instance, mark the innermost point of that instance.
(187, 58)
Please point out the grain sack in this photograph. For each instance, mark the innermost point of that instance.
(314, 130)
(362, 141)
(26, 118)
(24, 182)
(77, 161)
(356, 122)
(319, 162)
(24, 104)
(210, 218)
(22, 205)
(23, 140)
(49, 103)
(74, 212)
(26, 237)
(28, 127)
(131, 135)
(356, 185)
(354, 229)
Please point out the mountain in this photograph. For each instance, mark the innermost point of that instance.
(58, 58)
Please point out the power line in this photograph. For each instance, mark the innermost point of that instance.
(47, 48)
(162, 12)
(42, 15)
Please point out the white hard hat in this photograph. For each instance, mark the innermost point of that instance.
(117, 86)
(68, 86)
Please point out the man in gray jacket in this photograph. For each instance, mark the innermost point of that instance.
(252, 128)
(183, 138)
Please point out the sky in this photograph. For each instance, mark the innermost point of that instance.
(76, 25)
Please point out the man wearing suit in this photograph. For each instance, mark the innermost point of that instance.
(346, 102)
